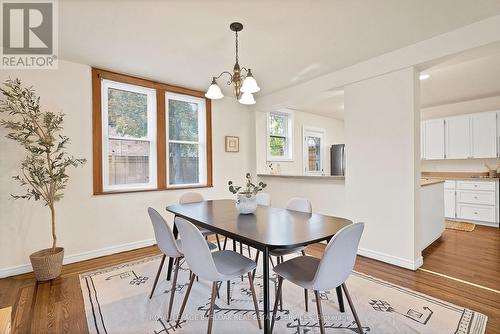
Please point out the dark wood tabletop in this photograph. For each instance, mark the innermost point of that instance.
(267, 227)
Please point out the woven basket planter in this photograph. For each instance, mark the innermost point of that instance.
(47, 265)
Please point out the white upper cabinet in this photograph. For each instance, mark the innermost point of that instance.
(461, 137)
(484, 135)
(458, 137)
(433, 139)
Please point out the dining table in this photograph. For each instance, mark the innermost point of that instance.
(266, 229)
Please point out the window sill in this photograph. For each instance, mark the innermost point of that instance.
(280, 159)
(121, 192)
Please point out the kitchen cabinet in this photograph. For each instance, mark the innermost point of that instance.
(449, 203)
(484, 135)
(458, 137)
(472, 200)
(461, 137)
(433, 142)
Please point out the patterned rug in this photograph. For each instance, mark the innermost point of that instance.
(116, 301)
(460, 226)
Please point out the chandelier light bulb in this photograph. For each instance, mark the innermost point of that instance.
(247, 98)
(214, 92)
(250, 84)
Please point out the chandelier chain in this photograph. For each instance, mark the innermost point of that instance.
(236, 47)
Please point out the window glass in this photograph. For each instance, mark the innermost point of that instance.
(279, 136)
(127, 114)
(186, 147)
(184, 164)
(128, 161)
(182, 120)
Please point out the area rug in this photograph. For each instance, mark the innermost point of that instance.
(460, 226)
(116, 301)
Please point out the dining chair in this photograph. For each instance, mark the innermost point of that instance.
(194, 197)
(263, 199)
(169, 247)
(219, 266)
(301, 205)
(327, 273)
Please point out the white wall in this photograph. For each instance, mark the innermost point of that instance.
(326, 196)
(465, 107)
(382, 131)
(87, 223)
(334, 130)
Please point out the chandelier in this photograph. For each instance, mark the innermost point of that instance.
(244, 85)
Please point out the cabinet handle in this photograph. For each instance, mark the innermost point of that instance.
(475, 197)
(475, 213)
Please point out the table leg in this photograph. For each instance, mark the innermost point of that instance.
(171, 260)
(265, 271)
(340, 298)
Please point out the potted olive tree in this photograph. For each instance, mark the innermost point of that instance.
(43, 172)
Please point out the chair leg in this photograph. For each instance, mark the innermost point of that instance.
(218, 241)
(174, 285)
(340, 298)
(351, 305)
(306, 300)
(256, 261)
(241, 252)
(157, 275)
(218, 288)
(211, 311)
(279, 259)
(320, 312)
(276, 298)
(228, 292)
(225, 243)
(184, 301)
(249, 253)
(255, 304)
(303, 253)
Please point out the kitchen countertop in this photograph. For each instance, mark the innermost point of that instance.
(318, 177)
(427, 182)
(460, 176)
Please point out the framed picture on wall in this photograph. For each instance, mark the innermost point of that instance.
(232, 144)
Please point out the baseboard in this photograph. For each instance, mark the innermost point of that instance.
(397, 261)
(26, 268)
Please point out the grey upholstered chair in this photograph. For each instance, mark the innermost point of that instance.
(194, 197)
(301, 205)
(169, 247)
(216, 267)
(263, 199)
(327, 273)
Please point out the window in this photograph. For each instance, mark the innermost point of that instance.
(129, 131)
(148, 135)
(313, 151)
(279, 135)
(186, 140)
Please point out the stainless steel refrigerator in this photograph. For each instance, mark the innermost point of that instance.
(337, 159)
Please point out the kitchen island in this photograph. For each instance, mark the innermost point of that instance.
(432, 221)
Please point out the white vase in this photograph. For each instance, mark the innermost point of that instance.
(246, 205)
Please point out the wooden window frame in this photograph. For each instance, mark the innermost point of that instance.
(161, 132)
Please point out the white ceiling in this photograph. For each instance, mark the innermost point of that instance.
(469, 76)
(461, 81)
(284, 42)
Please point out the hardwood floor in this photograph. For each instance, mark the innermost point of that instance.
(470, 256)
(57, 306)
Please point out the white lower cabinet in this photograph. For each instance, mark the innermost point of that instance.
(449, 203)
(472, 200)
(483, 213)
